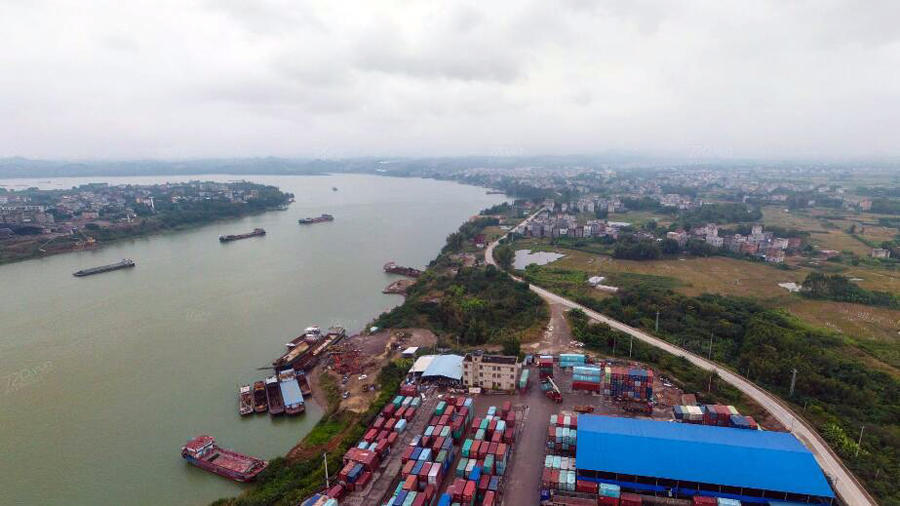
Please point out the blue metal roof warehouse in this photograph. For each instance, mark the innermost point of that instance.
(737, 458)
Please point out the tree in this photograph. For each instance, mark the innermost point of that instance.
(512, 346)
(504, 255)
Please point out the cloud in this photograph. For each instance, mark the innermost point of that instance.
(298, 78)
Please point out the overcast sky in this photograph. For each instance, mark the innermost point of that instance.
(183, 79)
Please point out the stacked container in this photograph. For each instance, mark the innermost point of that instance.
(545, 366)
(567, 360)
(587, 378)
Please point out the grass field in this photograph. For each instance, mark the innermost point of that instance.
(827, 231)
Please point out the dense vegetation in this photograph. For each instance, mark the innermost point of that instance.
(718, 213)
(886, 206)
(835, 390)
(286, 482)
(839, 288)
(478, 304)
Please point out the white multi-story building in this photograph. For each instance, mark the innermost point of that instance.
(493, 372)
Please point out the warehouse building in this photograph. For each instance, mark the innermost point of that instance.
(684, 460)
(438, 369)
(494, 372)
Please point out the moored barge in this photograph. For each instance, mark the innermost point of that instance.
(260, 404)
(393, 268)
(234, 237)
(124, 264)
(246, 400)
(290, 392)
(273, 394)
(203, 452)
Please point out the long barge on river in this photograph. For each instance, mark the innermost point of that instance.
(318, 219)
(203, 452)
(290, 392)
(124, 264)
(234, 237)
(305, 350)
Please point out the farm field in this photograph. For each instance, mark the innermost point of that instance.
(874, 330)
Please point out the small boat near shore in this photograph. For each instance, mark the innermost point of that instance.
(260, 403)
(234, 237)
(246, 400)
(203, 452)
(318, 219)
(273, 395)
(124, 264)
(305, 389)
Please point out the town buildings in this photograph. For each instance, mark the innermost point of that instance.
(494, 372)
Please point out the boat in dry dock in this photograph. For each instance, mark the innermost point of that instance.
(124, 264)
(203, 452)
(290, 392)
(318, 219)
(246, 400)
(234, 237)
(260, 404)
(273, 395)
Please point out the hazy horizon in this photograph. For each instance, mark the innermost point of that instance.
(176, 81)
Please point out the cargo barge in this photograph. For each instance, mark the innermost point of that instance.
(124, 264)
(273, 395)
(393, 268)
(305, 389)
(318, 219)
(203, 452)
(260, 404)
(305, 350)
(245, 397)
(234, 237)
(290, 392)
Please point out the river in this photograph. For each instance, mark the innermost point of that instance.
(105, 377)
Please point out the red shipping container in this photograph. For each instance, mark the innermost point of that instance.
(703, 500)
(546, 476)
(459, 488)
(506, 407)
(428, 494)
(509, 435)
(502, 449)
(492, 426)
(392, 438)
(608, 501)
(378, 423)
(370, 435)
(419, 500)
(407, 467)
(336, 491)
(493, 448)
(511, 418)
(383, 434)
(483, 483)
(390, 424)
(588, 487)
(411, 482)
(407, 453)
(410, 412)
(496, 437)
(488, 499)
(469, 492)
(460, 401)
(389, 409)
(473, 450)
(450, 410)
(629, 499)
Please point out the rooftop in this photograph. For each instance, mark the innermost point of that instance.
(774, 461)
(446, 366)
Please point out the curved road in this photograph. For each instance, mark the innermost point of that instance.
(845, 483)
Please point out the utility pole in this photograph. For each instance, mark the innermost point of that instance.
(657, 321)
(630, 343)
(710, 347)
(859, 443)
(325, 458)
(793, 380)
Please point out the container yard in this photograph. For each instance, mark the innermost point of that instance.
(440, 445)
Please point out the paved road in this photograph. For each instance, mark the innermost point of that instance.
(845, 483)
